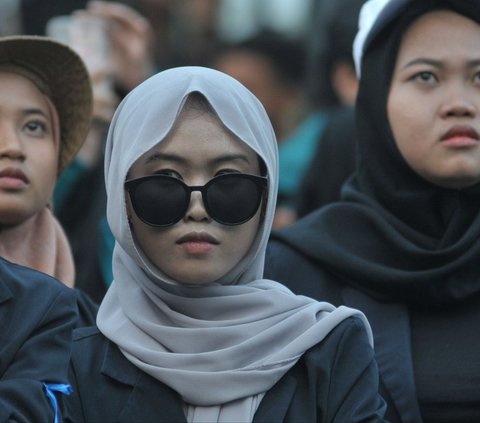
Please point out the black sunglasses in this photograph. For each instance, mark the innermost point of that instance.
(230, 199)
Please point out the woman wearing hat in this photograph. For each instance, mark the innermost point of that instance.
(403, 245)
(45, 103)
(45, 112)
(189, 331)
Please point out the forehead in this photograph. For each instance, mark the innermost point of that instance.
(439, 33)
(20, 91)
(199, 137)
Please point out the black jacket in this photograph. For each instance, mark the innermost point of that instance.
(390, 324)
(335, 381)
(37, 316)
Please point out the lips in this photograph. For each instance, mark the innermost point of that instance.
(14, 173)
(460, 132)
(198, 237)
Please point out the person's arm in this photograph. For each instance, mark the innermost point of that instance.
(354, 380)
(39, 367)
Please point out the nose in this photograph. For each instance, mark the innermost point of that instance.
(196, 209)
(459, 102)
(10, 143)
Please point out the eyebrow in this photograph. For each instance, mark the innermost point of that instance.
(35, 111)
(156, 157)
(437, 63)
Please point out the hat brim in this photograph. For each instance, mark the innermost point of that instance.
(65, 75)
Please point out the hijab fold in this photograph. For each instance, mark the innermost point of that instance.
(220, 346)
(394, 235)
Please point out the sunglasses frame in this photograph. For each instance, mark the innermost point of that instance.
(131, 186)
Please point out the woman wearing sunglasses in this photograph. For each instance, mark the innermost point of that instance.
(189, 331)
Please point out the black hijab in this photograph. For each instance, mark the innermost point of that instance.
(395, 235)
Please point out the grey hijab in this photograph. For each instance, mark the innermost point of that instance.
(220, 346)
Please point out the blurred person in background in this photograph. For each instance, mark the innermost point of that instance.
(45, 114)
(332, 87)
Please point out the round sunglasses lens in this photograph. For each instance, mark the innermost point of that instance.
(233, 199)
(159, 201)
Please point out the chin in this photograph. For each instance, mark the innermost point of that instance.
(198, 279)
(457, 182)
(9, 217)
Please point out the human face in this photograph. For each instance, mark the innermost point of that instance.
(195, 250)
(28, 152)
(434, 100)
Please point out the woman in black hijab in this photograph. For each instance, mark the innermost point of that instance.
(403, 244)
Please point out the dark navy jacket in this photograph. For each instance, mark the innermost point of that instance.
(390, 323)
(37, 316)
(335, 381)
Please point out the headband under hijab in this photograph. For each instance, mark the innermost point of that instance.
(395, 235)
(221, 346)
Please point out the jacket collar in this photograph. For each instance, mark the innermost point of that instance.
(274, 405)
(5, 292)
(149, 399)
(391, 331)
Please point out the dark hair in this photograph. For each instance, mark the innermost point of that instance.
(286, 55)
(333, 29)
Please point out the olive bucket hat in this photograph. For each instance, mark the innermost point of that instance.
(63, 75)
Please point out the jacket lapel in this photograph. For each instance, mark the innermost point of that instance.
(149, 400)
(5, 312)
(5, 293)
(274, 405)
(390, 323)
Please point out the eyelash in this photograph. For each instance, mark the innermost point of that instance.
(419, 76)
(176, 174)
(169, 172)
(38, 123)
(224, 171)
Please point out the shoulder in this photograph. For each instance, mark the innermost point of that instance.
(21, 280)
(303, 276)
(281, 257)
(349, 338)
(23, 288)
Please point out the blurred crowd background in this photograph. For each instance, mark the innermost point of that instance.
(295, 55)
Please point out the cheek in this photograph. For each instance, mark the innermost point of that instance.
(150, 241)
(409, 123)
(46, 173)
(246, 233)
